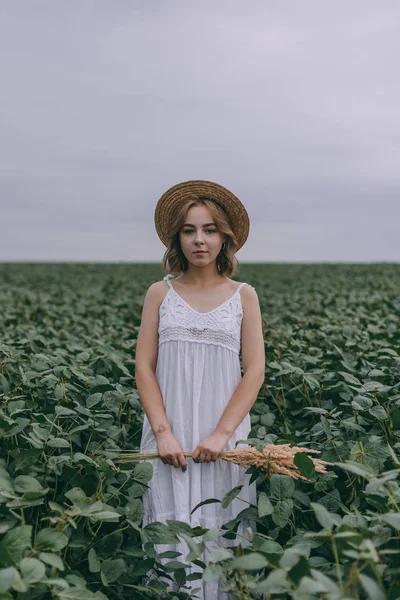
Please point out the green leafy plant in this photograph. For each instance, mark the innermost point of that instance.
(71, 517)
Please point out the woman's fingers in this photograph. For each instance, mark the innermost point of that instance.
(204, 457)
(179, 461)
(183, 462)
(176, 461)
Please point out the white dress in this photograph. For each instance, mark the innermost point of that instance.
(198, 371)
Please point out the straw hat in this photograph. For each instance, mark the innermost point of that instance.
(172, 198)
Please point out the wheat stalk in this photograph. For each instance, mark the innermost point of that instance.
(272, 458)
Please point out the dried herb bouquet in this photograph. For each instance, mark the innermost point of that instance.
(272, 458)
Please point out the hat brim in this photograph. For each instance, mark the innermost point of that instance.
(172, 198)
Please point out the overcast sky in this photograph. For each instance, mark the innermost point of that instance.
(294, 106)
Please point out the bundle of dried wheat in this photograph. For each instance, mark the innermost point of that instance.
(273, 459)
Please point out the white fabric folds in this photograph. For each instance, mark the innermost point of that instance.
(198, 371)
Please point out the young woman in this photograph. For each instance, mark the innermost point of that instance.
(188, 371)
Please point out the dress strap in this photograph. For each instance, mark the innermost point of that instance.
(167, 279)
(239, 287)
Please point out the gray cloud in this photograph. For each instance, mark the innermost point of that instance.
(294, 107)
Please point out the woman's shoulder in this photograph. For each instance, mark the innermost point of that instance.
(156, 291)
(249, 297)
(243, 285)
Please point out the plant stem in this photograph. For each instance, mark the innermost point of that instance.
(338, 570)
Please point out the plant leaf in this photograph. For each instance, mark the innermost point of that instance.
(265, 507)
(32, 570)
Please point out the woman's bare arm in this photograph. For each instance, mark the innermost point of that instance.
(146, 382)
(146, 362)
(253, 360)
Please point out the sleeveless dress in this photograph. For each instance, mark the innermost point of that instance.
(198, 371)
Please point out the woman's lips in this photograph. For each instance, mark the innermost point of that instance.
(200, 253)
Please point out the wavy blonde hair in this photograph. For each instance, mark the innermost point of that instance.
(175, 262)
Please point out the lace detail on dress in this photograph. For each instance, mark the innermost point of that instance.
(220, 326)
(205, 336)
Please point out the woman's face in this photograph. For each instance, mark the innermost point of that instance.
(199, 232)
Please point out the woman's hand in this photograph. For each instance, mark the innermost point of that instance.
(170, 450)
(209, 449)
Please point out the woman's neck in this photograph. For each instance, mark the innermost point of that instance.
(203, 277)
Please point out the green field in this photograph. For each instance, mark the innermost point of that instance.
(70, 517)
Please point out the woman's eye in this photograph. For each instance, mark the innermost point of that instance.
(191, 230)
